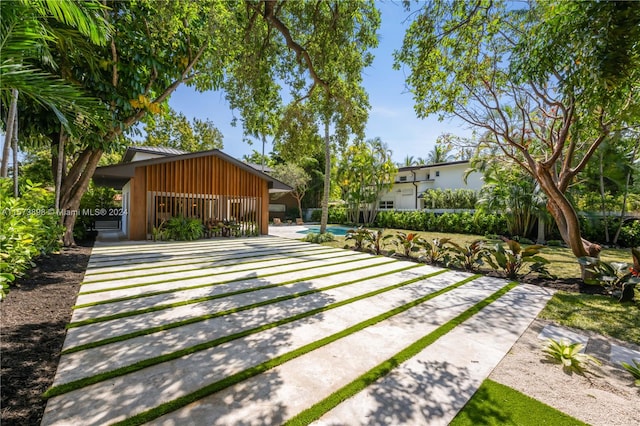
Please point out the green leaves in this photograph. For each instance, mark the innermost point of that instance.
(634, 370)
(569, 355)
(513, 258)
(28, 228)
(365, 172)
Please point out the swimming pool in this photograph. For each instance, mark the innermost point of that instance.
(337, 230)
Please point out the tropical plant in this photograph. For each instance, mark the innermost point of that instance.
(365, 172)
(360, 237)
(618, 278)
(634, 370)
(407, 243)
(182, 228)
(6, 278)
(29, 227)
(317, 238)
(435, 250)
(377, 239)
(513, 258)
(469, 257)
(569, 355)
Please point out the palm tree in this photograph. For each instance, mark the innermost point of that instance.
(408, 161)
(28, 30)
(439, 154)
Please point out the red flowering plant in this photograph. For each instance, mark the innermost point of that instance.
(618, 278)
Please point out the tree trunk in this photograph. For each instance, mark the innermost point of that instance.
(15, 156)
(327, 179)
(13, 108)
(626, 191)
(603, 199)
(73, 187)
(59, 164)
(565, 216)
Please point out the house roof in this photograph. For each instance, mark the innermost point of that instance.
(430, 166)
(158, 150)
(117, 175)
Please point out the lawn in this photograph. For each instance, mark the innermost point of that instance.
(496, 404)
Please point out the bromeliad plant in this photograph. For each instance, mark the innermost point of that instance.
(513, 258)
(569, 355)
(634, 370)
(618, 278)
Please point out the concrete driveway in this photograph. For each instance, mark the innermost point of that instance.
(259, 331)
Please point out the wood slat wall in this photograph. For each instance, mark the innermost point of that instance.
(208, 188)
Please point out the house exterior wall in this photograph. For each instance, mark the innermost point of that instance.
(409, 183)
(207, 187)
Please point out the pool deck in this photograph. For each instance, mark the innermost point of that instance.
(288, 231)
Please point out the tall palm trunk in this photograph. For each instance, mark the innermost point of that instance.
(8, 137)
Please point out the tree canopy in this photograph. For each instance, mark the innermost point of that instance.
(516, 75)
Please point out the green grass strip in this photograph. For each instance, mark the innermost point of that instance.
(211, 258)
(284, 261)
(231, 293)
(182, 401)
(317, 410)
(208, 316)
(170, 280)
(497, 404)
(80, 383)
(173, 290)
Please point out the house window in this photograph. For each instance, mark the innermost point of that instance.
(437, 174)
(428, 176)
(386, 204)
(403, 178)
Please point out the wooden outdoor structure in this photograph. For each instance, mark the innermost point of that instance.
(228, 196)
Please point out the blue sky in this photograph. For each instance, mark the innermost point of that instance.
(391, 118)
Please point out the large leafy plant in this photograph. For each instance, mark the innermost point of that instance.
(634, 370)
(469, 257)
(618, 278)
(28, 228)
(569, 355)
(513, 258)
(435, 251)
(408, 243)
(184, 228)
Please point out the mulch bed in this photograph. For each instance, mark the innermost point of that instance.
(34, 316)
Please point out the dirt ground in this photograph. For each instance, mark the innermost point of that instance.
(38, 307)
(34, 316)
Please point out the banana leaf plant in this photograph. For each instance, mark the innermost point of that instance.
(618, 278)
(512, 259)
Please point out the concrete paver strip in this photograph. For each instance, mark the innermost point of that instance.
(109, 357)
(278, 393)
(176, 378)
(203, 262)
(284, 273)
(91, 332)
(434, 385)
(330, 367)
(276, 265)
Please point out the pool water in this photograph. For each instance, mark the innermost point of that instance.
(337, 230)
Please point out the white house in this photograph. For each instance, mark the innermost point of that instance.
(411, 182)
